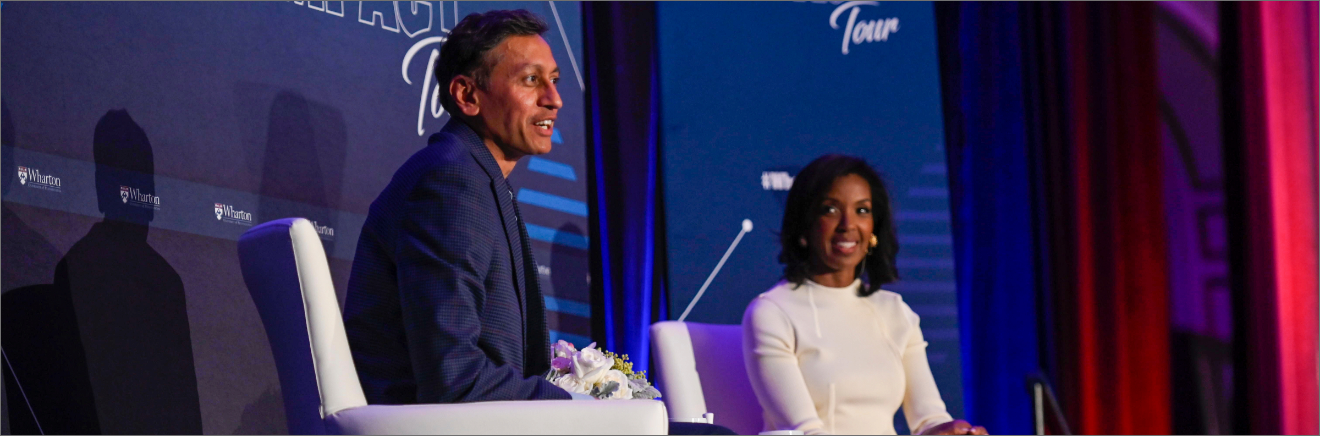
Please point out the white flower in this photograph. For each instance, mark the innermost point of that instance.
(572, 384)
(564, 349)
(590, 365)
(624, 392)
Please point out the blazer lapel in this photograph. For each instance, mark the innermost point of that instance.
(504, 198)
(513, 236)
(538, 335)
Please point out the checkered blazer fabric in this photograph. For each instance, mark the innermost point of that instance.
(443, 302)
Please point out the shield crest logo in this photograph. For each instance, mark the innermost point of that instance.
(123, 193)
(219, 210)
(22, 175)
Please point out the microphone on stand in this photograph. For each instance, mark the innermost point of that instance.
(1043, 402)
(746, 227)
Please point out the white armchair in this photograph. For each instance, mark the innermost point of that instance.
(700, 368)
(286, 272)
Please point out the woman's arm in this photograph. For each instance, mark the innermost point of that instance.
(772, 367)
(922, 404)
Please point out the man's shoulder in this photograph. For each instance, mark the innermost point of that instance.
(444, 160)
(444, 166)
(444, 151)
(455, 154)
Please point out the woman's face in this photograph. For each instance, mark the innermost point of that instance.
(840, 235)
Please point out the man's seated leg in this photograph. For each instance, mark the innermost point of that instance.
(697, 428)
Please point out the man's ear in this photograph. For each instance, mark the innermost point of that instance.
(464, 90)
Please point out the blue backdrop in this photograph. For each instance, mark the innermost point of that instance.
(248, 112)
(750, 93)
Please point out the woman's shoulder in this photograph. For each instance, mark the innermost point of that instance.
(777, 299)
(887, 297)
(892, 303)
(781, 289)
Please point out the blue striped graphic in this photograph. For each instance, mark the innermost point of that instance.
(921, 287)
(578, 341)
(944, 334)
(555, 138)
(552, 168)
(553, 202)
(568, 306)
(546, 234)
(911, 262)
(935, 310)
(928, 192)
(925, 239)
(942, 216)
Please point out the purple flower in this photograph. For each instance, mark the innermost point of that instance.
(564, 349)
(561, 364)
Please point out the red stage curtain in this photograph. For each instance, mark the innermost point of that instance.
(1112, 302)
(1277, 224)
(1105, 217)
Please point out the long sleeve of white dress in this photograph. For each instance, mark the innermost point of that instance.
(826, 361)
(922, 405)
(768, 347)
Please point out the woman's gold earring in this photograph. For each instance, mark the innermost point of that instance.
(874, 241)
(802, 242)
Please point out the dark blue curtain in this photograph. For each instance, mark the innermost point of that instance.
(992, 187)
(627, 234)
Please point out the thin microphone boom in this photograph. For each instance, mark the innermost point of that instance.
(1042, 395)
(746, 227)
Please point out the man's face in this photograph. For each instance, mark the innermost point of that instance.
(520, 101)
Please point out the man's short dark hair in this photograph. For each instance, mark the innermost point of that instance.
(465, 52)
(803, 206)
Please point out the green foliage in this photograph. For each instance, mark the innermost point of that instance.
(622, 364)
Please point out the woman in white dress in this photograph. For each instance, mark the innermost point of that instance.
(827, 350)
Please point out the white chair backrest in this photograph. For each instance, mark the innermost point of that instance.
(700, 369)
(286, 272)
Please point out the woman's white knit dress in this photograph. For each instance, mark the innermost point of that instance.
(826, 361)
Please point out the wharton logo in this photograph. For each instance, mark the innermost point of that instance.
(776, 180)
(327, 233)
(135, 197)
(33, 178)
(228, 214)
(858, 32)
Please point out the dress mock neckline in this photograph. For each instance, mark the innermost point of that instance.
(852, 287)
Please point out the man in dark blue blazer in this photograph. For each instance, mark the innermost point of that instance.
(443, 301)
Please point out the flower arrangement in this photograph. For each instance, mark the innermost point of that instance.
(598, 373)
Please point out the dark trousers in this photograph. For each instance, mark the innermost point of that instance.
(695, 428)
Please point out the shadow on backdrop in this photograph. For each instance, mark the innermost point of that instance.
(260, 416)
(302, 147)
(45, 371)
(129, 302)
(306, 143)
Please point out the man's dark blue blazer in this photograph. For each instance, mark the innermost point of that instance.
(443, 301)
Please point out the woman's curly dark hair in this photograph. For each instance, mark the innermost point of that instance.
(803, 206)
